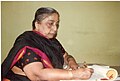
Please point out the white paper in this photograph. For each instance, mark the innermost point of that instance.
(100, 72)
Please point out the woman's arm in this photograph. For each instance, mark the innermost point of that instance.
(70, 61)
(35, 72)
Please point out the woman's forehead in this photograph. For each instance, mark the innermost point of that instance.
(53, 17)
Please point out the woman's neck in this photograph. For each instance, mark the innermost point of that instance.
(39, 33)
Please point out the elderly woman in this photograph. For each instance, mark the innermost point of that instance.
(38, 56)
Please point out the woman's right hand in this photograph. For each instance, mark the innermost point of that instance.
(82, 73)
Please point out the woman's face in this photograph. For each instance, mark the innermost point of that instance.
(49, 26)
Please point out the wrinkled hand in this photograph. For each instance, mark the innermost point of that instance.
(73, 65)
(82, 73)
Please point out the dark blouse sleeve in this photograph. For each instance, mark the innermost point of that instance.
(27, 58)
(60, 46)
(63, 50)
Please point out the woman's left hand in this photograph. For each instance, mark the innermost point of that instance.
(73, 65)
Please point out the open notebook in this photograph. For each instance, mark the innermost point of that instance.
(103, 73)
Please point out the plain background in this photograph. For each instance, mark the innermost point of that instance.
(90, 31)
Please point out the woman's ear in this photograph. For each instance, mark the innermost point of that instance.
(37, 25)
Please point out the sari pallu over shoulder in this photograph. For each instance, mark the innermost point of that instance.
(40, 45)
(45, 60)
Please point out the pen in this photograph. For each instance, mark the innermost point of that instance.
(84, 64)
